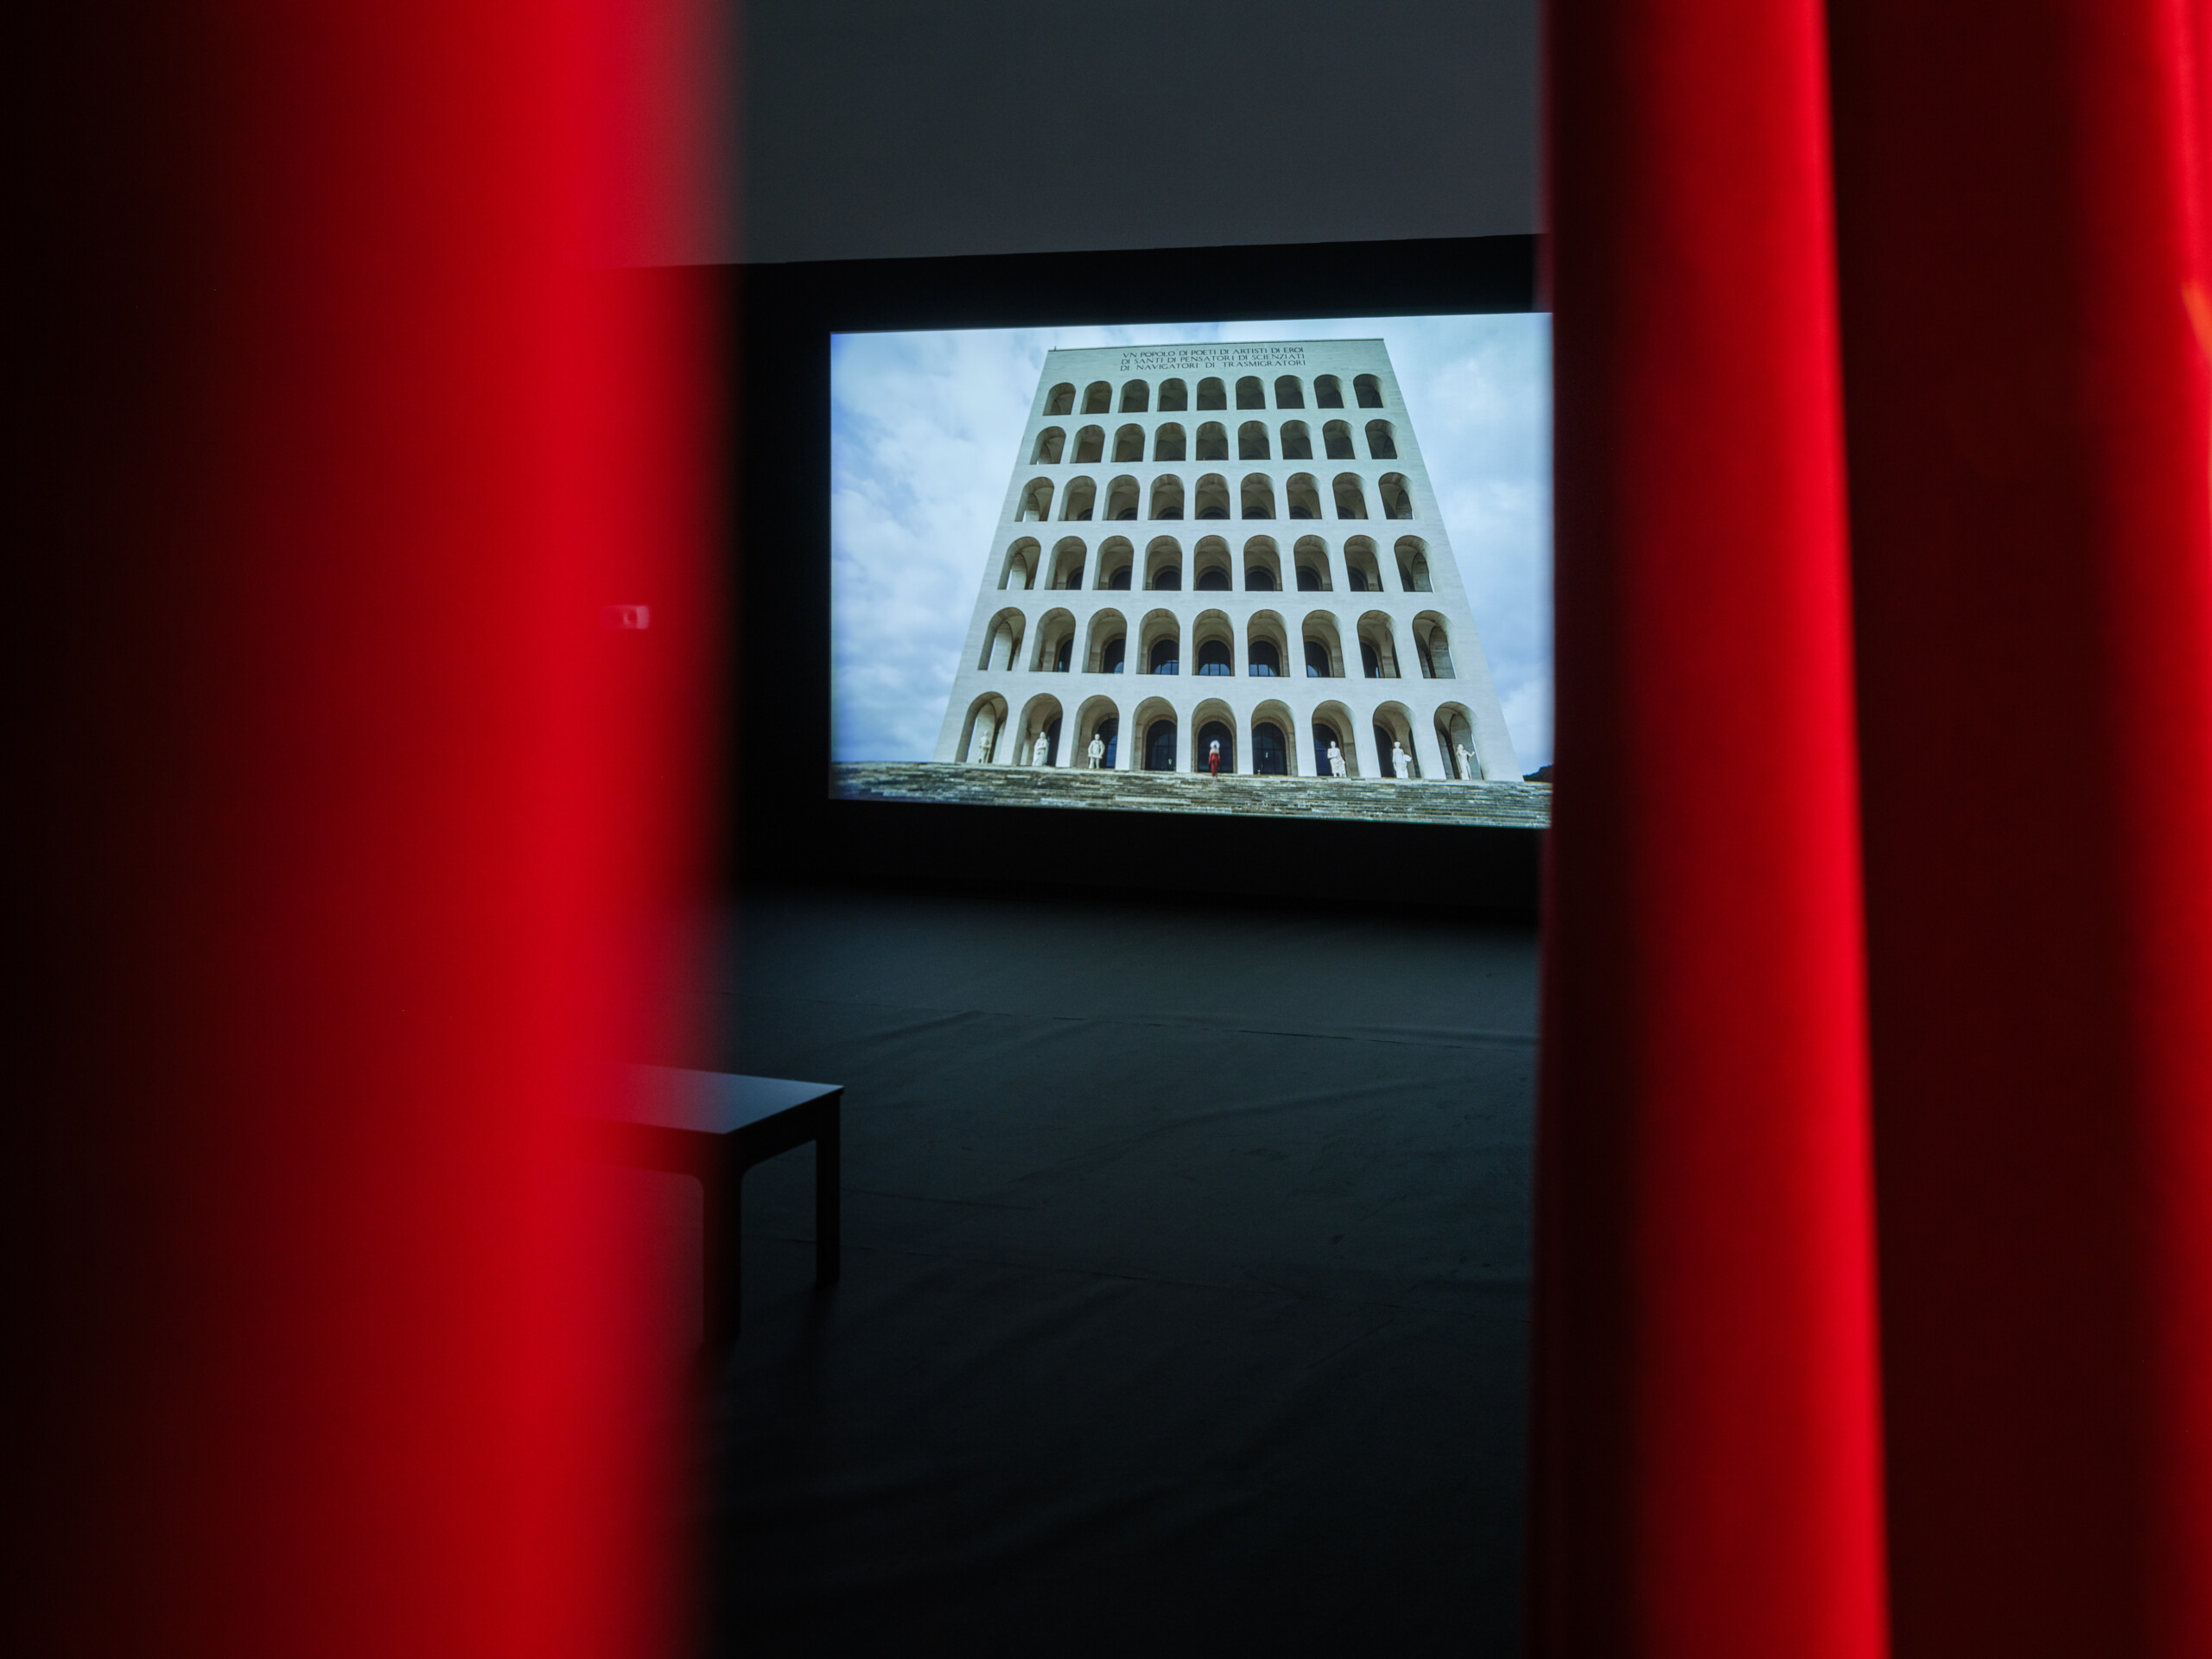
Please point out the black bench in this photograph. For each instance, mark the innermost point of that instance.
(714, 1126)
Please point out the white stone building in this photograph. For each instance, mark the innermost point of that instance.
(1247, 529)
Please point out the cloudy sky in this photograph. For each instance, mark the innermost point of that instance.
(923, 430)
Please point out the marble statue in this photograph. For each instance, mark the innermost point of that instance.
(1098, 750)
(1336, 761)
(1466, 761)
(1402, 764)
(1043, 747)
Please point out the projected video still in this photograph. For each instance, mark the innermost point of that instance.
(1287, 569)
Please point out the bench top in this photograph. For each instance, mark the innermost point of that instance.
(709, 1103)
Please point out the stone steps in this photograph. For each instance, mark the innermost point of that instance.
(1380, 799)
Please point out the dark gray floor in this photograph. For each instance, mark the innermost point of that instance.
(1186, 1296)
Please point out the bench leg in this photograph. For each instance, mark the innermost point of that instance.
(725, 1259)
(825, 1198)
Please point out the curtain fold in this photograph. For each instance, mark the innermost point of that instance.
(2019, 196)
(1707, 1464)
(2017, 289)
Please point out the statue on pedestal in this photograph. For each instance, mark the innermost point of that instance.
(1043, 747)
(1466, 762)
(1402, 764)
(1097, 750)
(1336, 761)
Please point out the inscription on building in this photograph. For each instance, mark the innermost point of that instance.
(1165, 359)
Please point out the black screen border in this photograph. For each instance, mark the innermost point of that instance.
(784, 827)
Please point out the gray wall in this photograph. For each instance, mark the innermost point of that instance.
(874, 129)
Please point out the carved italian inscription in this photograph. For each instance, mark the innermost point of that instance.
(1167, 359)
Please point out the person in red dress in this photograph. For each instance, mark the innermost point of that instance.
(1213, 759)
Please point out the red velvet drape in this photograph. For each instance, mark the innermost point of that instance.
(2017, 256)
(340, 820)
(2018, 192)
(1706, 1437)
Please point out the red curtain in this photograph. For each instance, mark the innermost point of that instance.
(339, 818)
(2007, 278)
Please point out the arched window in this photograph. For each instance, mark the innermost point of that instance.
(1252, 442)
(1324, 736)
(1297, 441)
(1250, 394)
(1120, 578)
(1455, 740)
(1370, 663)
(1435, 645)
(1360, 564)
(1317, 664)
(1213, 658)
(1397, 499)
(1270, 755)
(1061, 402)
(1090, 445)
(1168, 443)
(1328, 392)
(1036, 502)
(1159, 747)
(1174, 397)
(1258, 579)
(1115, 651)
(1136, 397)
(1215, 580)
(1110, 732)
(1336, 441)
(1211, 396)
(1287, 395)
(1350, 503)
(1380, 443)
(1213, 442)
(1382, 753)
(1098, 398)
(1050, 442)
(1309, 580)
(1259, 497)
(1369, 390)
(1166, 658)
(1211, 733)
(1266, 661)
(1129, 443)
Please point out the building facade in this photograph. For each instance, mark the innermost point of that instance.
(1233, 544)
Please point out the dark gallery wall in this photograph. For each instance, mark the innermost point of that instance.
(902, 128)
(1027, 157)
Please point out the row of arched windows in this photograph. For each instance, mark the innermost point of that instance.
(1251, 393)
(1170, 443)
(1081, 501)
(1212, 568)
(1390, 741)
(1107, 646)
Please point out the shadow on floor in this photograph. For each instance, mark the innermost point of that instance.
(1186, 1298)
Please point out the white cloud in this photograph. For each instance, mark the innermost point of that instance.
(923, 429)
